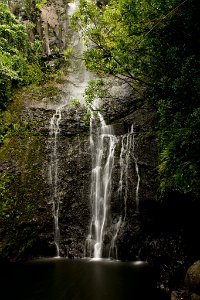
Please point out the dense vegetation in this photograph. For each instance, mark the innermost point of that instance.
(19, 59)
(154, 45)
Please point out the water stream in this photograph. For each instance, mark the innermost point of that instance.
(128, 152)
(54, 131)
(103, 143)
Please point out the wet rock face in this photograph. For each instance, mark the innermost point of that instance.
(74, 170)
(73, 177)
(26, 217)
(136, 199)
(73, 189)
(27, 226)
(33, 190)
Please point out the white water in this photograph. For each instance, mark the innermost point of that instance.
(78, 75)
(127, 151)
(102, 147)
(136, 169)
(103, 144)
(54, 130)
(113, 248)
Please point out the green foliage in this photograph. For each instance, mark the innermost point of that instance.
(94, 90)
(13, 213)
(7, 203)
(12, 41)
(85, 122)
(113, 38)
(75, 103)
(153, 45)
(33, 74)
(177, 84)
(40, 3)
(66, 53)
(20, 60)
(21, 156)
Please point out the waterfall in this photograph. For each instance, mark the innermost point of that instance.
(127, 151)
(102, 147)
(53, 174)
(103, 143)
(78, 75)
(113, 247)
(136, 169)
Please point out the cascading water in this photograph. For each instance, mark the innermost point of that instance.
(127, 150)
(113, 247)
(103, 146)
(136, 169)
(53, 175)
(78, 75)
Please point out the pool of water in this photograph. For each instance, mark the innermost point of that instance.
(81, 279)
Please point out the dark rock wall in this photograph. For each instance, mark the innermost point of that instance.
(144, 152)
(74, 169)
(25, 214)
(27, 220)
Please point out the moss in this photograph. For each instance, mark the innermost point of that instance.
(37, 94)
(13, 213)
(19, 186)
(85, 122)
(22, 184)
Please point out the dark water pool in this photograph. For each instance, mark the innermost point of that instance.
(65, 279)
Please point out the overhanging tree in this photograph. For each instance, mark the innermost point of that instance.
(154, 45)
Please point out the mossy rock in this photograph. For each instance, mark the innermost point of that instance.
(195, 296)
(192, 278)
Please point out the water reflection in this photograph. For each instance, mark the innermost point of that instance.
(64, 279)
